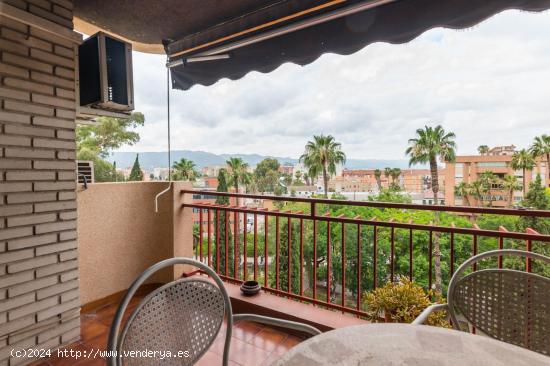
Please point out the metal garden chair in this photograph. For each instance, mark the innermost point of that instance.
(185, 315)
(509, 305)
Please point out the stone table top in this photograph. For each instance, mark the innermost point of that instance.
(404, 344)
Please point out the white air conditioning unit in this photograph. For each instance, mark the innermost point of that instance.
(84, 171)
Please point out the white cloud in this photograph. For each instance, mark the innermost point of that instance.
(489, 84)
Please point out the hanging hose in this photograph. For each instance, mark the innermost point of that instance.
(169, 151)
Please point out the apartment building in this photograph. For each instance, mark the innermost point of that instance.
(497, 160)
(364, 180)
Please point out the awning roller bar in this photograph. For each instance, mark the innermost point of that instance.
(323, 18)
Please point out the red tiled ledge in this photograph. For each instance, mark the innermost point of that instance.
(276, 306)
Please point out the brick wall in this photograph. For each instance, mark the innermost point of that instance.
(39, 298)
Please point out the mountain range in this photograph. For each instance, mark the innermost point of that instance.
(150, 160)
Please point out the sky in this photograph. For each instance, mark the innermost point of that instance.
(489, 84)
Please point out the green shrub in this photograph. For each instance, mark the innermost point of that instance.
(402, 302)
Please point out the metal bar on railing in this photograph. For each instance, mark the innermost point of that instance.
(236, 244)
(266, 249)
(328, 261)
(400, 225)
(289, 255)
(218, 241)
(392, 254)
(255, 246)
(402, 206)
(501, 245)
(245, 256)
(410, 254)
(301, 257)
(474, 251)
(343, 264)
(430, 259)
(209, 243)
(200, 234)
(314, 259)
(359, 264)
(277, 252)
(452, 252)
(226, 217)
(374, 257)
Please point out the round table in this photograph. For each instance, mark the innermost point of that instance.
(404, 344)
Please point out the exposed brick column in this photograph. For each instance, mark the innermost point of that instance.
(39, 296)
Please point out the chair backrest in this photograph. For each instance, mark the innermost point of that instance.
(180, 319)
(509, 305)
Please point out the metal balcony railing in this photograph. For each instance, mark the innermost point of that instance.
(338, 257)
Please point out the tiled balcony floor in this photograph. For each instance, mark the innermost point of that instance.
(251, 344)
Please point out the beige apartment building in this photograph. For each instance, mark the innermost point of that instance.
(497, 160)
(364, 180)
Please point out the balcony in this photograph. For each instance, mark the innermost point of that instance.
(337, 254)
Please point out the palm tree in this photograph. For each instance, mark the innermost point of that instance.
(387, 174)
(541, 147)
(478, 189)
(395, 173)
(184, 170)
(378, 176)
(430, 144)
(525, 161)
(237, 173)
(462, 189)
(306, 179)
(488, 178)
(510, 184)
(321, 156)
(483, 149)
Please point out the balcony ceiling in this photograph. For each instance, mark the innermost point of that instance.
(212, 27)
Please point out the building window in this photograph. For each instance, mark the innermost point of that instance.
(492, 164)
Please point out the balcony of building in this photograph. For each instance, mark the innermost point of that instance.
(120, 235)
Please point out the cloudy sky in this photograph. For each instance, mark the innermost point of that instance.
(489, 84)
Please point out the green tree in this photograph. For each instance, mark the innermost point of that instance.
(220, 218)
(541, 148)
(321, 156)
(136, 175)
(429, 145)
(96, 141)
(488, 178)
(266, 175)
(478, 189)
(510, 184)
(483, 149)
(184, 169)
(378, 177)
(387, 174)
(525, 161)
(237, 173)
(395, 173)
(462, 190)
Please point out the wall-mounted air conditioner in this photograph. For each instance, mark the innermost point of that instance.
(84, 171)
(104, 78)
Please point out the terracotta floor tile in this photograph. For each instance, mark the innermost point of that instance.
(268, 339)
(247, 354)
(251, 344)
(245, 331)
(287, 344)
(272, 358)
(212, 359)
(90, 328)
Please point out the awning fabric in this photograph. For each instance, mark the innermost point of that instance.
(187, 28)
(397, 22)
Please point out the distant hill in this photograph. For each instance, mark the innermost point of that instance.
(150, 160)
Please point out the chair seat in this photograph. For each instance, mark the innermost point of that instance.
(182, 316)
(509, 305)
